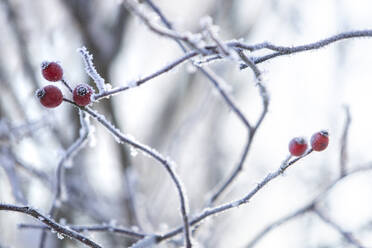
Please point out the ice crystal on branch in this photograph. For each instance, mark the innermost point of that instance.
(91, 70)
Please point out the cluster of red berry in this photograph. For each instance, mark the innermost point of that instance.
(51, 96)
(319, 142)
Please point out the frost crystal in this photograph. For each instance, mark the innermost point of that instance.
(62, 221)
(149, 241)
(60, 236)
(235, 204)
(133, 152)
(108, 86)
(91, 70)
(113, 222)
(132, 83)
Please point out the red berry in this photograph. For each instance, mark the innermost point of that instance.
(51, 71)
(319, 141)
(297, 146)
(50, 96)
(81, 94)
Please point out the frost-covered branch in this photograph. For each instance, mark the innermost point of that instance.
(91, 70)
(58, 228)
(93, 228)
(147, 78)
(310, 46)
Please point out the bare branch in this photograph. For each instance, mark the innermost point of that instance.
(51, 223)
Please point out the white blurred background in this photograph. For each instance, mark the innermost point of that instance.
(181, 115)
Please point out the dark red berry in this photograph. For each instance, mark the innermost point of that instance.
(319, 141)
(50, 96)
(51, 71)
(297, 146)
(82, 94)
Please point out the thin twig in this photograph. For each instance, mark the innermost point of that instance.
(32, 170)
(8, 163)
(286, 50)
(70, 152)
(61, 229)
(343, 150)
(252, 130)
(65, 83)
(147, 78)
(348, 236)
(92, 228)
(311, 46)
(278, 223)
(191, 39)
(217, 82)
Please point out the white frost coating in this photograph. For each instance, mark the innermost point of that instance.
(190, 68)
(206, 21)
(108, 86)
(113, 222)
(235, 204)
(60, 236)
(132, 83)
(135, 228)
(133, 151)
(91, 70)
(62, 221)
(149, 241)
(92, 136)
(68, 163)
